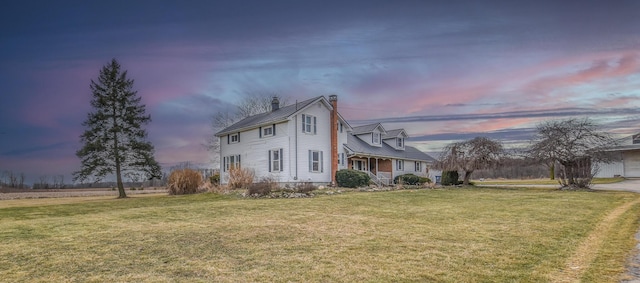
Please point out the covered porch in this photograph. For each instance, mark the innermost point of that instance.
(379, 169)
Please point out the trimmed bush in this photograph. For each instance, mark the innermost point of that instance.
(449, 178)
(407, 179)
(350, 178)
(425, 180)
(184, 181)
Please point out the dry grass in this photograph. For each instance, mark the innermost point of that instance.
(454, 235)
(184, 181)
(240, 178)
(545, 181)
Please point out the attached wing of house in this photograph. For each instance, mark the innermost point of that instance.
(309, 141)
(384, 154)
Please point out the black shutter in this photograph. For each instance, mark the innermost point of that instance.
(224, 164)
(228, 136)
(303, 121)
(239, 156)
(281, 157)
(238, 136)
(321, 165)
(314, 125)
(260, 132)
(269, 160)
(274, 129)
(310, 161)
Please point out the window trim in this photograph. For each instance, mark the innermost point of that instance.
(399, 165)
(319, 161)
(373, 138)
(234, 138)
(400, 142)
(227, 163)
(264, 132)
(309, 127)
(273, 161)
(418, 166)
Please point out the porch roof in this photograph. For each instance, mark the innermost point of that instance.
(360, 147)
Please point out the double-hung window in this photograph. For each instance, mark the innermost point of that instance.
(315, 161)
(230, 162)
(400, 165)
(400, 143)
(418, 166)
(309, 124)
(266, 132)
(275, 160)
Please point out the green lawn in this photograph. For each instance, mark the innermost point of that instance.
(448, 235)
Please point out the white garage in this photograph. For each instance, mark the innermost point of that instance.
(626, 163)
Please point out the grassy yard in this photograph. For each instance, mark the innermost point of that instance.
(449, 235)
(545, 181)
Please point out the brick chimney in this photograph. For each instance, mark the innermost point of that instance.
(333, 99)
(275, 104)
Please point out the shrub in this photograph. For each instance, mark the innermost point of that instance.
(215, 179)
(352, 178)
(262, 188)
(305, 187)
(449, 178)
(408, 179)
(425, 180)
(184, 181)
(240, 178)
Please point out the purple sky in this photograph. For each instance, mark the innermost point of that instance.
(444, 70)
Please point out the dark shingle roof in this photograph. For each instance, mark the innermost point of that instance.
(266, 118)
(364, 129)
(392, 134)
(359, 146)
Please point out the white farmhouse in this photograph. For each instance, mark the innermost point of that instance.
(310, 141)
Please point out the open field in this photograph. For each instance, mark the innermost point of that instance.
(545, 181)
(443, 235)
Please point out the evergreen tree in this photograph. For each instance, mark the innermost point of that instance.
(115, 141)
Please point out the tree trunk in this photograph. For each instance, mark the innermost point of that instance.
(552, 171)
(116, 153)
(467, 176)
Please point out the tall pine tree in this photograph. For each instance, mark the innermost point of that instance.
(114, 142)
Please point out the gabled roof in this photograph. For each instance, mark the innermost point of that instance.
(360, 147)
(365, 129)
(271, 117)
(392, 134)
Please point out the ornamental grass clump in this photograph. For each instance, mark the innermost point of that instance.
(184, 181)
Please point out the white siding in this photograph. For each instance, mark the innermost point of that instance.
(321, 141)
(254, 152)
(631, 161)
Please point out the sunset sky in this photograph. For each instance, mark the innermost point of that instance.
(443, 70)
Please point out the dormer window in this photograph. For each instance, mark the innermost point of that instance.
(376, 138)
(400, 142)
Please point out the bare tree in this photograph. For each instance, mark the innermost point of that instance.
(58, 181)
(251, 104)
(575, 144)
(468, 156)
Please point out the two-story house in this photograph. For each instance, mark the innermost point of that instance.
(310, 141)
